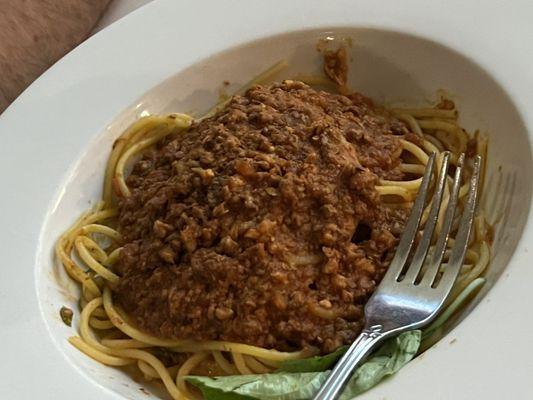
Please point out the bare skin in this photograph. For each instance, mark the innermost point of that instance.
(36, 33)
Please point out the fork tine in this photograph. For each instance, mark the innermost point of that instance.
(411, 227)
(463, 234)
(423, 246)
(442, 240)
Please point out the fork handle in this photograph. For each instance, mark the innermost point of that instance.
(359, 349)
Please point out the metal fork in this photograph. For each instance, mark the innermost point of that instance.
(404, 301)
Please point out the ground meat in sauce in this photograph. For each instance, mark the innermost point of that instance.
(261, 225)
(336, 66)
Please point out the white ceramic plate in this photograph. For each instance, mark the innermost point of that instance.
(172, 56)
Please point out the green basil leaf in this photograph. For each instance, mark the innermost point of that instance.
(389, 358)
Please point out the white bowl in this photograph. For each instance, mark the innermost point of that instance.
(390, 67)
(57, 137)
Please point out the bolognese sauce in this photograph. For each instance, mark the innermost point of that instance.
(262, 224)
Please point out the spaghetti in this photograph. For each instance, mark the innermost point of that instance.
(90, 249)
